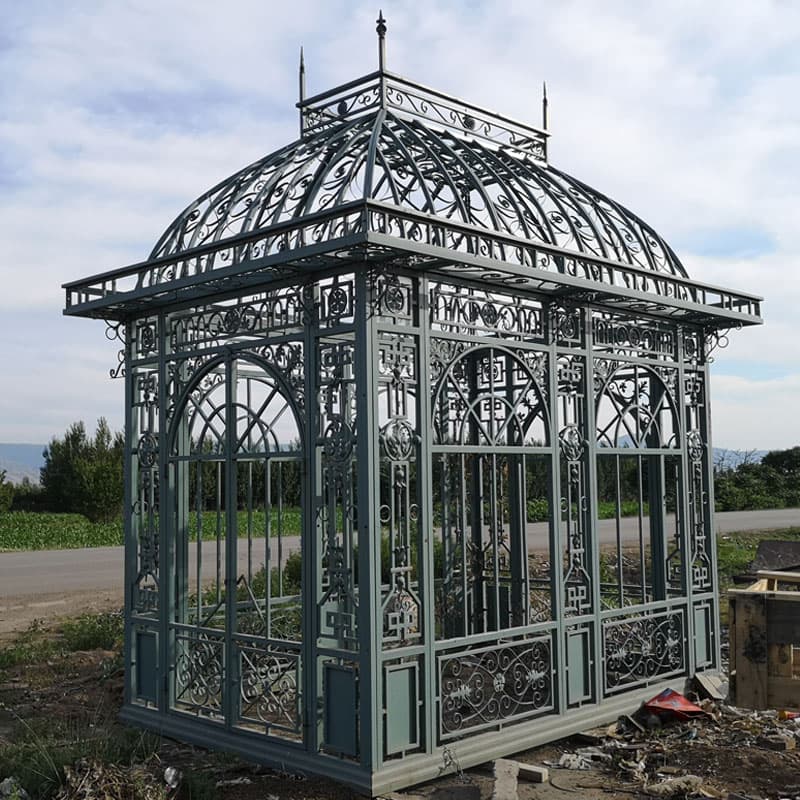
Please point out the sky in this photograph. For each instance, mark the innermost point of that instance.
(115, 115)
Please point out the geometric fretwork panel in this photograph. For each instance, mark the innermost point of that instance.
(398, 438)
(574, 501)
(145, 505)
(698, 493)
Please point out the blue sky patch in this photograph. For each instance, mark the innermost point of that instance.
(740, 242)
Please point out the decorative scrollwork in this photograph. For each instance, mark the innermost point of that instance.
(715, 340)
(482, 687)
(398, 439)
(635, 408)
(641, 648)
(269, 687)
(199, 671)
(338, 441)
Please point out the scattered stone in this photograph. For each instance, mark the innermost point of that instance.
(574, 761)
(532, 773)
(776, 742)
(505, 779)
(675, 787)
(711, 686)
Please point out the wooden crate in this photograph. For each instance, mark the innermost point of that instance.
(764, 621)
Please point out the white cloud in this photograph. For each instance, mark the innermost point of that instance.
(118, 115)
(753, 414)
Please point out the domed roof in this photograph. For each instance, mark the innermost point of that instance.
(388, 172)
(408, 164)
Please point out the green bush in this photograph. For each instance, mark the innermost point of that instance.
(93, 632)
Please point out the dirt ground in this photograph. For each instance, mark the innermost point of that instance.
(82, 691)
(17, 613)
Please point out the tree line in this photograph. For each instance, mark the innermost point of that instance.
(83, 474)
(773, 482)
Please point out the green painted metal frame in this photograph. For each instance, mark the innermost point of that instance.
(350, 336)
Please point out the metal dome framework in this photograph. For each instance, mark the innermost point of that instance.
(381, 387)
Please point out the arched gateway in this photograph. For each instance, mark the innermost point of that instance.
(417, 450)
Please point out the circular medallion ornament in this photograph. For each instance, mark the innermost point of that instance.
(394, 299)
(147, 450)
(337, 301)
(571, 443)
(148, 338)
(338, 443)
(232, 321)
(398, 440)
(488, 314)
(695, 443)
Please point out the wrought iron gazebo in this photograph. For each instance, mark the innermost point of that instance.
(417, 448)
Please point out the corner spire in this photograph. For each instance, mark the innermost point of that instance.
(301, 79)
(544, 105)
(302, 75)
(381, 31)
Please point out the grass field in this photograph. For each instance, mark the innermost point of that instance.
(21, 530)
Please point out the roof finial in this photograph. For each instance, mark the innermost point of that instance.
(301, 78)
(381, 30)
(302, 75)
(544, 105)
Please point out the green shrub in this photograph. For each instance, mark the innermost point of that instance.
(93, 632)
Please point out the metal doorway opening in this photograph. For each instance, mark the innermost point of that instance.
(236, 472)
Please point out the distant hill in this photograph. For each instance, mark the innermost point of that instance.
(21, 461)
(733, 458)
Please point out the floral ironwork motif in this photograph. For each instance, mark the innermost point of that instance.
(640, 648)
(269, 687)
(485, 686)
(199, 671)
(635, 408)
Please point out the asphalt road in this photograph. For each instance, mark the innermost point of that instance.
(24, 576)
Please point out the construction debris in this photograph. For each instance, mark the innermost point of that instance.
(675, 787)
(505, 779)
(532, 773)
(711, 687)
(765, 642)
(669, 704)
(776, 742)
(682, 746)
